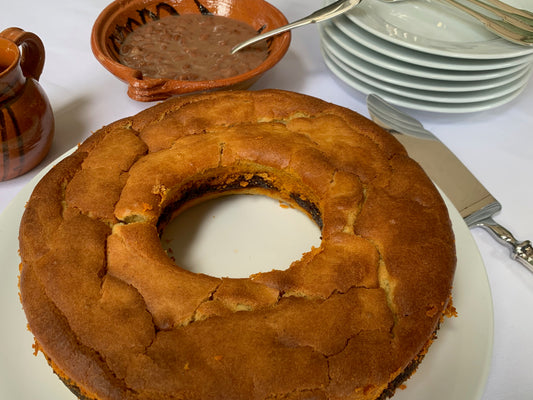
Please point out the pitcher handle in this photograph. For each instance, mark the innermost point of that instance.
(32, 51)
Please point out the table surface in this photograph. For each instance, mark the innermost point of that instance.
(496, 145)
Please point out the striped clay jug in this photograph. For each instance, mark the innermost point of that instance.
(26, 117)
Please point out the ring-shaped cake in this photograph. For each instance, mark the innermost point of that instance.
(116, 318)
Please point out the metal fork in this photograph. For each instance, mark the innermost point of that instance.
(513, 24)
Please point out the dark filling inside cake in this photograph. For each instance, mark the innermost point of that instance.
(232, 184)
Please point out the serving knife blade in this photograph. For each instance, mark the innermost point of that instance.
(473, 201)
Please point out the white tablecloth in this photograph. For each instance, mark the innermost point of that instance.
(496, 145)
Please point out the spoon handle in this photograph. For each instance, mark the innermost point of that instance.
(274, 32)
(327, 12)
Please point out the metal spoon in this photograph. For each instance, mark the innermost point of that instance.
(330, 11)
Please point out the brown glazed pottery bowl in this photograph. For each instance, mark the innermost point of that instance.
(122, 17)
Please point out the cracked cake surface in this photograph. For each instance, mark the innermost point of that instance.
(115, 316)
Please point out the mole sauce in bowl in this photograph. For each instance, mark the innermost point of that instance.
(184, 46)
(192, 47)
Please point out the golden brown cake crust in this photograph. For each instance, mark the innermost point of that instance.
(118, 319)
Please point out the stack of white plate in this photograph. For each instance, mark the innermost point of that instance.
(426, 55)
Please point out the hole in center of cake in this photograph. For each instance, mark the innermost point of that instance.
(239, 235)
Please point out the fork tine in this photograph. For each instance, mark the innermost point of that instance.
(395, 120)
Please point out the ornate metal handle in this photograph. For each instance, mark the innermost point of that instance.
(521, 251)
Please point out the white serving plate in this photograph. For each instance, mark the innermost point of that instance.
(432, 27)
(413, 103)
(436, 96)
(456, 365)
(451, 65)
(344, 52)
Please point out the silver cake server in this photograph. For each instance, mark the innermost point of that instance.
(473, 201)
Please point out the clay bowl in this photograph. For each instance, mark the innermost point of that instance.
(122, 17)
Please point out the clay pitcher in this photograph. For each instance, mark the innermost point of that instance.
(26, 118)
